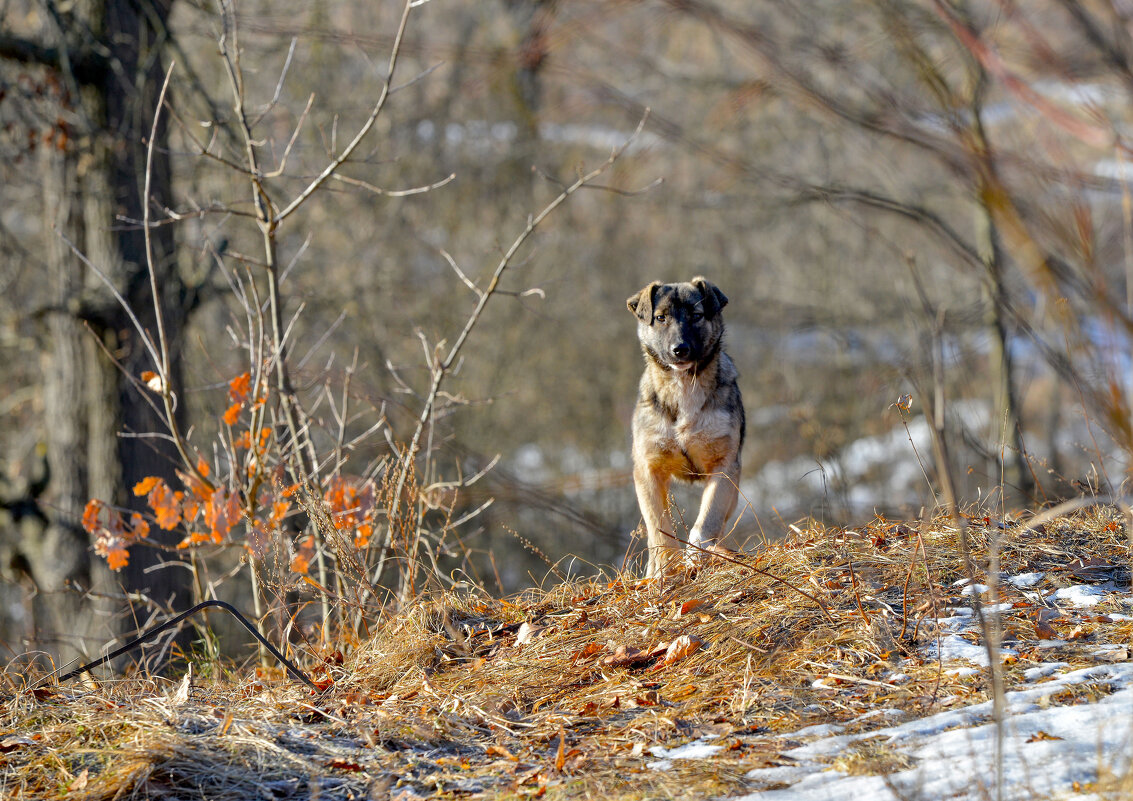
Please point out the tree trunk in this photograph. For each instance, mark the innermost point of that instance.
(89, 187)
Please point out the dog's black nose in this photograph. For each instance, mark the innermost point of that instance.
(680, 350)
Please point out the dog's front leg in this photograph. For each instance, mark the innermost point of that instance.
(716, 505)
(652, 488)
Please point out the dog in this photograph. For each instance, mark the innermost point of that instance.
(689, 419)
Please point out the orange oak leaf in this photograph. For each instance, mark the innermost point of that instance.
(166, 509)
(144, 486)
(117, 558)
(279, 510)
(301, 562)
(138, 526)
(232, 414)
(239, 387)
(91, 514)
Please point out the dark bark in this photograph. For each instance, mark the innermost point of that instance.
(109, 57)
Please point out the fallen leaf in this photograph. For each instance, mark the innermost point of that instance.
(592, 649)
(1043, 628)
(1042, 735)
(13, 742)
(80, 781)
(1122, 654)
(624, 656)
(500, 751)
(648, 698)
(1078, 633)
(560, 758)
(1092, 569)
(527, 633)
(689, 606)
(344, 764)
(682, 646)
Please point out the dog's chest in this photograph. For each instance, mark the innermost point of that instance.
(695, 421)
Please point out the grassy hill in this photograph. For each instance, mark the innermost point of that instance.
(831, 664)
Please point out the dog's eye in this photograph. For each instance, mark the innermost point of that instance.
(659, 318)
(696, 317)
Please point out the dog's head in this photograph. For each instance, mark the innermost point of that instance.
(679, 325)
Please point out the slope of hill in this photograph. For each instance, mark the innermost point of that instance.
(837, 663)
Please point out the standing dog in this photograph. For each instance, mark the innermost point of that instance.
(689, 420)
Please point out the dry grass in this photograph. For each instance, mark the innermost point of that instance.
(479, 696)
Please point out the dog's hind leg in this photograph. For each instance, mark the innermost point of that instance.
(716, 506)
(653, 498)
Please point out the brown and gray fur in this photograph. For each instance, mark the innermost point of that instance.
(689, 420)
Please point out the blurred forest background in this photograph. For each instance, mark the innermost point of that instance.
(897, 196)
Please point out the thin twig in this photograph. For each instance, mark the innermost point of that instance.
(440, 369)
(279, 83)
(348, 151)
(377, 190)
(159, 314)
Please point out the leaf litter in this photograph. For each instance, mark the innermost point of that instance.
(831, 663)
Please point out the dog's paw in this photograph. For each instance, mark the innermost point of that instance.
(663, 561)
(708, 553)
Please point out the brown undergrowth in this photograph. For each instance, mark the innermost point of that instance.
(578, 690)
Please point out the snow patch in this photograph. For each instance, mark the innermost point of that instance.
(956, 647)
(697, 749)
(1025, 580)
(952, 749)
(1043, 670)
(1079, 595)
(819, 730)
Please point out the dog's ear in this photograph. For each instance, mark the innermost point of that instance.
(714, 299)
(641, 304)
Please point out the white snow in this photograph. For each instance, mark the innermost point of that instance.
(956, 623)
(873, 713)
(956, 647)
(819, 730)
(1079, 595)
(1046, 749)
(1043, 670)
(697, 749)
(1024, 580)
